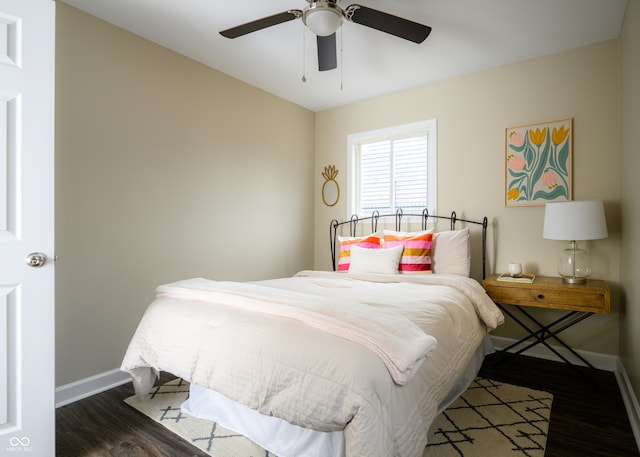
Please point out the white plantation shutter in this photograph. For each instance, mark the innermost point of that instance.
(375, 180)
(394, 171)
(410, 173)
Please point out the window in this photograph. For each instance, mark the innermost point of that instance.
(393, 168)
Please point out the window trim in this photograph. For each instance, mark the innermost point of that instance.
(430, 126)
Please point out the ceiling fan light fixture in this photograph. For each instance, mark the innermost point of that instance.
(323, 20)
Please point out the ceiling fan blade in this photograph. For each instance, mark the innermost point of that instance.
(259, 24)
(327, 57)
(394, 25)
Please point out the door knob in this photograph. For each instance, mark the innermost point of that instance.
(36, 259)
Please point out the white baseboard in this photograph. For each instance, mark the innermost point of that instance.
(92, 385)
(630, 400)
(600, 361)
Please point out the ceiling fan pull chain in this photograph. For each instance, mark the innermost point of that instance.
(341, 60)
(304, 55)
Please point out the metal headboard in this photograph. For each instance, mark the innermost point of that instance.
(398, 215)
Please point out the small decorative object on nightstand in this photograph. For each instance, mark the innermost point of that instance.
(521, 278)
(580, 301)
(515, 269)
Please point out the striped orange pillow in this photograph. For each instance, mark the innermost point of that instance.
(416, 255)
(372, 241)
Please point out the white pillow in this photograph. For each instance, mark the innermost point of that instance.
(383, 261)
(451, 252)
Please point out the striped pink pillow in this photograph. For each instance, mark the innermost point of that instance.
(416, 255)
(344, 260)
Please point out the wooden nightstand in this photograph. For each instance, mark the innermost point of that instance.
(579, 300)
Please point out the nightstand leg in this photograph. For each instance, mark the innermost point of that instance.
(545, 332)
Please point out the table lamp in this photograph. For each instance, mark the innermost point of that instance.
(574, 221)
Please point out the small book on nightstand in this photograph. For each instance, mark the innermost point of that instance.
(526, 278)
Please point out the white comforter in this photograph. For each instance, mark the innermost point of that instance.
(301, 373)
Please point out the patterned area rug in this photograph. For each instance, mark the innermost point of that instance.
(489, 419)
(492, 419)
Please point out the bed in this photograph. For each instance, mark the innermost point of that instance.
(351, 362)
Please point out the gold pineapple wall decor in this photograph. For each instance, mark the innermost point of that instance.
(330, 188)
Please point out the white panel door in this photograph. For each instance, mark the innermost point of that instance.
(27, 413)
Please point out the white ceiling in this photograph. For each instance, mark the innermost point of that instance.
(467, 36)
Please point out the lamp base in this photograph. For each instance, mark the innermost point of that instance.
(572, 280)
(574, 265)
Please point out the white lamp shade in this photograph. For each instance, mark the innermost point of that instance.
(323, 21)
(575, 220)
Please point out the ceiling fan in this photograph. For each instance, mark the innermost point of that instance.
(324, 18)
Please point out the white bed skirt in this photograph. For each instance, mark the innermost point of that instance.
(287, 440)
(272, 433)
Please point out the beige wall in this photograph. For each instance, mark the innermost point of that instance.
(472, 113)
(630, 269)
(165, 169)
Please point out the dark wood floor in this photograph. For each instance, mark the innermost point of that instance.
(588, 418)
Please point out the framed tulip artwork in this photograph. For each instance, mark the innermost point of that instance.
(538, 163)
